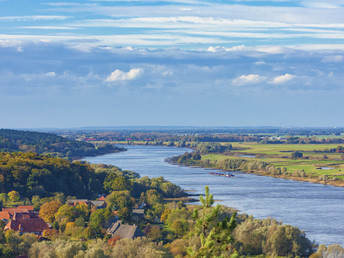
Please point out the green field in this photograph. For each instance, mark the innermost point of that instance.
(279, 155)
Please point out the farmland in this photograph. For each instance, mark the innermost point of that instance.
(317, 159)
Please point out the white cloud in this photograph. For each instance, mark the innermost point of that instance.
(234, 48)
(260, 63)
(176, 1)
(333, 59)
(271, 49)
(9, 43)
(62, 4)
(237, 48)
(248, 79)
(119, 75)
(48, 27)
(50, 74)
(32, 18)
(216, 49)
(317, 4)
(283, 78)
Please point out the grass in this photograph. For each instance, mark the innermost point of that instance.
(279, 155)
(281, 150)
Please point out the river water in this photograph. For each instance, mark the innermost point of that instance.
(316, 209)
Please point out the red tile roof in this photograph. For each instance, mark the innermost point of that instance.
(27, 223)
(8, 213)
(102, 198)
(5, 215)
(28, 207)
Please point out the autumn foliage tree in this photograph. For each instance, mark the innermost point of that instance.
(50, 233)
(165, 214)
(14, 196)
(48, 210)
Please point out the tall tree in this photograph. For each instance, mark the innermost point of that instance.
(215, 234)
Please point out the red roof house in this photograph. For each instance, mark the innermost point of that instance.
(94, 204)
(7, 213)
(27, 207)
(25, 222)
(102, 198)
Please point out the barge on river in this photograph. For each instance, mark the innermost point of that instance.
(221, 174)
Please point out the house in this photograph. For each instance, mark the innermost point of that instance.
(6, 214)
(26, 222)
(137, 214)
(100, 204)
(20, 207)
(102, 198)
(75, 202)
(120, 230)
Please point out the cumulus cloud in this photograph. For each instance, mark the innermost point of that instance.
(234, 48)
(283, 78)
(50, 74)
(237, 48)
(119, 75)
(248, 79)
(215, 49)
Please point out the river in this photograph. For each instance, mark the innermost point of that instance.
(317, 209)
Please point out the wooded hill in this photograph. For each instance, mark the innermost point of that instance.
(32, 174)
(46, 143)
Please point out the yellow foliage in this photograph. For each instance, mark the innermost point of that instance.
(165, 214)
(50, 233)
(14, 196)
(48, 210)
(70, 225)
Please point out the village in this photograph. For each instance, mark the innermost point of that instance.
(25, 220)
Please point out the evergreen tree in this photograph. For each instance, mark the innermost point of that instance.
(216, 235)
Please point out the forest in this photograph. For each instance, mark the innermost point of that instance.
(31, 174)
(44, 143)
(188, 137)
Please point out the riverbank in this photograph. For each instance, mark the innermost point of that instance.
(116, 149)
(281, 166)
(315, 180)
(314, 208)
(310, 168)
(306, 169)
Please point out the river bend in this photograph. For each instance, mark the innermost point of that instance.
(317, 209)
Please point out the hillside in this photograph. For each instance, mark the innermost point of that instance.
(47, 143)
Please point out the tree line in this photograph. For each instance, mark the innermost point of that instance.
(44, 143)
(32, 174)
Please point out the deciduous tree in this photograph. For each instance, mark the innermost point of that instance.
(14, 196)
(48, 210)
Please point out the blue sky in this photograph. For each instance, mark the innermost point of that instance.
(185, 62)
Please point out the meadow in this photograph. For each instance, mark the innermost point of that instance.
(316, 160)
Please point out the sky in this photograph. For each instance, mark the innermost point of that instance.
(171, 63)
